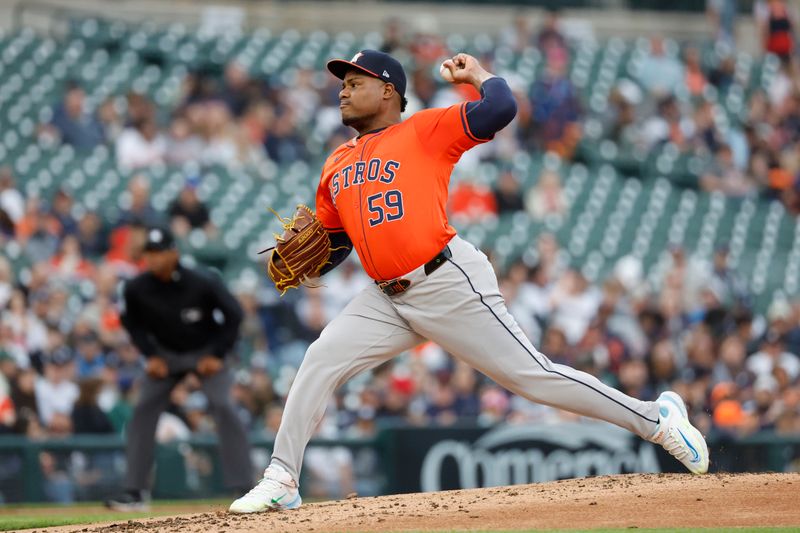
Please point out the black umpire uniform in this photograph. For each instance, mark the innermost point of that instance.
(185, 318)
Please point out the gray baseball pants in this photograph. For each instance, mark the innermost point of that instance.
(154, 394)
(459, 307)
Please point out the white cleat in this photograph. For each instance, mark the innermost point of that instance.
(276, 491)
(678, 436)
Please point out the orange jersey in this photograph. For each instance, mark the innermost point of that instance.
(388, 190)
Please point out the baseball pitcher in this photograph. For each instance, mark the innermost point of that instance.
(384, 193)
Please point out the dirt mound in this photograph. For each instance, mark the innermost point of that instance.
(628, 501)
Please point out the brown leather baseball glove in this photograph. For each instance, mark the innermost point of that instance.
(300, 252)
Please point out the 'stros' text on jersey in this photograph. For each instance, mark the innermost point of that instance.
(385, 206)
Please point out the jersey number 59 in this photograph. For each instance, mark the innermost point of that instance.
(385, 207)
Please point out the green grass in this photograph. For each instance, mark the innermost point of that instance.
(155, 505)
(39, 515)
(11, 523)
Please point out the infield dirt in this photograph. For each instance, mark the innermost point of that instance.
(626, 501)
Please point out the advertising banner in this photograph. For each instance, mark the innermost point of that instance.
(471, 457)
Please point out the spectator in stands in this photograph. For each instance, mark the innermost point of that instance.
(776, 27)
(707, 137)
(722, 18)
(27, 333)
(471, 202)
(24, 397)
(574, 302)
(110, 119)
(621, 124)
(766, 407)
(56, 392)
(69, 264)
(549, 258)
(284, 143)
(91, 236)
(12, 203)
(520, 35)
(772, 357)
(546, 199)
(556, 108)
(634, 377)
(125, 251)
(724, 276)
(694, 77)
(139, 209)
(507, 193)
(256, 122)
(465, 387)
(42, 243)
(666, 126)
(183, 144)
(90, 358)
(664, 366)
(187, 212)
(550, 39)
(139, 107)
(426, 44)
(219, 134)
(494, 405)
(37, 226)
(303, 97)
(87, 417)
(8, 414)
(723, 74)
(782, 318)
(73, 124)
(394, 38)
(6, 281)
(127, 363)
(730, 365)
(234, 91)
(141, 145)
(660, 73)
(61, 212)
(58, 487)
(723, 176)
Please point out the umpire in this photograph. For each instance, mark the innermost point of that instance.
(183, 321)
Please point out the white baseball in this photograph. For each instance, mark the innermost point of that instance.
(446, 74)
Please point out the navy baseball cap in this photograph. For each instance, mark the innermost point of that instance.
(376, 64)
(158, 240)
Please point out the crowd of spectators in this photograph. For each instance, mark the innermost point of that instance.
(68, 367)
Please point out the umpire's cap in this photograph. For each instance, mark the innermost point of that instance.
(376, 64)
(158, 240)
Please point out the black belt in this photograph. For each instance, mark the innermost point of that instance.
(398, 285)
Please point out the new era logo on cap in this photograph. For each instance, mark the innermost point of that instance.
(156, 236)
(386, 74)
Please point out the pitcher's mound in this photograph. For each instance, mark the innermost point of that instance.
(627, 501)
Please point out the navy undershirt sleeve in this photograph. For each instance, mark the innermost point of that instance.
(494, 111)
(342, 246)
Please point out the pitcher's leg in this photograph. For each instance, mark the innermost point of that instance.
(368, 332)
(460, 307)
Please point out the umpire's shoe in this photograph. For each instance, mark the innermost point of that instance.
(276, 490)
(128, 501)
(678, 436)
